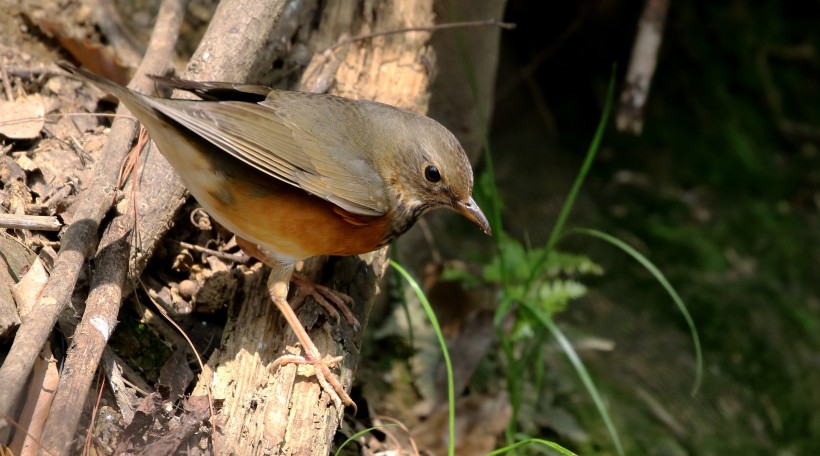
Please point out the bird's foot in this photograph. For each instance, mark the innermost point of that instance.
(278, 288)
(324, 296)
(321, 369)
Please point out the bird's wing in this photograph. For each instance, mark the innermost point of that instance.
(265, 138)
(215, 91)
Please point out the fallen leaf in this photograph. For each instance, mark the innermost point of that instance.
(23, 118)
(480, 421)
(28, 289)
(95, 57)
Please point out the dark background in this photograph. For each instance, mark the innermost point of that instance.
(721, 191)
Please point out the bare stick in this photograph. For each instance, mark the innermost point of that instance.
(78, 240)
(156, 210)
(127, 47)
(240, 257)
(99, 319)
(642, 66)
(6, 85)
(430, 28)
(30, 222)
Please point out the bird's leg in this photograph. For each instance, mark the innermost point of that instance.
(278, 287)
(320, 293)
(325, 296)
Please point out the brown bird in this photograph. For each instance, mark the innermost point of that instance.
(295, 175)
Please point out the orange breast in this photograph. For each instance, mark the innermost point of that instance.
(283, 219)
(289, 221)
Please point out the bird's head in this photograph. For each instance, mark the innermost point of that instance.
(433, 171)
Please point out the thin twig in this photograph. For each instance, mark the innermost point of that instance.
(642, 65)
(6, 84)
(532, 66)
(30, 72)
(431, 28)
(424, 226)
(190, 343)
(23, 120)
(235, 257)
(135, 386)
(7, 419)
(91, 427)
(30, 222)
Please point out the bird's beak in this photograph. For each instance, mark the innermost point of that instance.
(473, 213)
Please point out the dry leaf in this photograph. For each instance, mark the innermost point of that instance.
(28, 289)
(23, 118)
(480, 420)
(95, 57)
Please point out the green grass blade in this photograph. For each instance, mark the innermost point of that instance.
(586, 379)
(451, 395)
(592, 151)
(649, 266)
(404, 307)
(552, 445)
(513, 380)
(359, 434)
(582, 174)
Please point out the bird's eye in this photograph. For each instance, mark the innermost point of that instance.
(431, 173)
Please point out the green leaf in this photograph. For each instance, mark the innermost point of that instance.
(551, 445)
(555, 295)
(649, 266)
(582, 372)
(451, 395)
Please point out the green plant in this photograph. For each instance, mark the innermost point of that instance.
(536, 283)
(451, 447)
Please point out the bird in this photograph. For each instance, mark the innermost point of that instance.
(295, 175)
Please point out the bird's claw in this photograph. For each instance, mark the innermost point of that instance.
(325, 296)
(321, 369)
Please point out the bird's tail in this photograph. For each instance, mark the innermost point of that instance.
(135, 102)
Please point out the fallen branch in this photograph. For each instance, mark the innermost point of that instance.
(103, 303)
(642, 66)
(156, 211)
(78, 241)
(30, 222)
